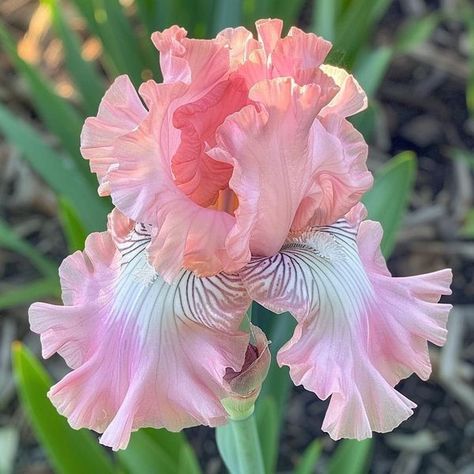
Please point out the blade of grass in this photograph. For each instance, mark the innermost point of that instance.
(226, 14)
(351, 457)
(70, 451)
(371, 68)
(72, 225)
(188, 463)
(29, 292)
(324, 19)
(268, 431)
(154, 15)
(152, 450)
(59, 172)
(256, 9)
(416, 31)
(83, 73)
(287, 11)
(388, 199)
(144, 456)
(57, 114)
(122, 48)
(355, 26)
(11, 241)
(310, 457)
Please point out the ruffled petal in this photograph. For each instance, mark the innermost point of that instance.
(351, 98)
(240, 43)
(144, 353)
(269, 33)
(120, 112)
(191, 61)
(359, 329)
(268, 195)
(287, 166)
(195, 173)
(342, 177)
(144, 190)
(300, 55)
(190, 236)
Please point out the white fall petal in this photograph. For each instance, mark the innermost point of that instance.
(144, 352)
(359, 329)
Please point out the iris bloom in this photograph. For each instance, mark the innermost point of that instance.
(236, 179)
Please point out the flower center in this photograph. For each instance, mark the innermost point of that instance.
(226, 201)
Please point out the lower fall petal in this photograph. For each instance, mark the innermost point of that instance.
(359, 329)
(143, 352)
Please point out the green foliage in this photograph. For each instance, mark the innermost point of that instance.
(84, 74)
(152, 451)
(70, 451)
(59, 171)
(349, 25)
(268, 426)
(416, 31)
(29, 292)
(58, 115)
(388, 199)
(9, 240)
(72, 225)
(351, 457)
(48, 285)
(309, 458)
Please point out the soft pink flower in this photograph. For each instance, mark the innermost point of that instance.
(237, 178)
(260, 120)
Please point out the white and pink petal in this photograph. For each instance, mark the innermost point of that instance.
(359, 329)
(350, 99)
(144, 353)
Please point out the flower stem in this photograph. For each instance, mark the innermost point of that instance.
(247, 445)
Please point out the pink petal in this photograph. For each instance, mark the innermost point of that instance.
(408, 314)
(192, 237)
(359, 330)
(247, 140)
(196, 174)
(351, 98)
(299, 55)
(202, 62)
(143, 189)
(144, 353)
(314, 174)
(120, 112)
(269, 32)
(342, 177)
(240, 43)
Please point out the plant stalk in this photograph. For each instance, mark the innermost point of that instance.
(247, 445)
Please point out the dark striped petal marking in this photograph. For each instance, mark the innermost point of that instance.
(359, 329)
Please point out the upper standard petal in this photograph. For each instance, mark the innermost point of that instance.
(290, 169)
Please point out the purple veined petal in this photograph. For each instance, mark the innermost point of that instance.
(360, 330)
(143, 352)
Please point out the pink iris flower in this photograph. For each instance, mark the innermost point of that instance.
(236, 179)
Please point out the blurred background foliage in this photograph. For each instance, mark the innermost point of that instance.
(57, 64)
